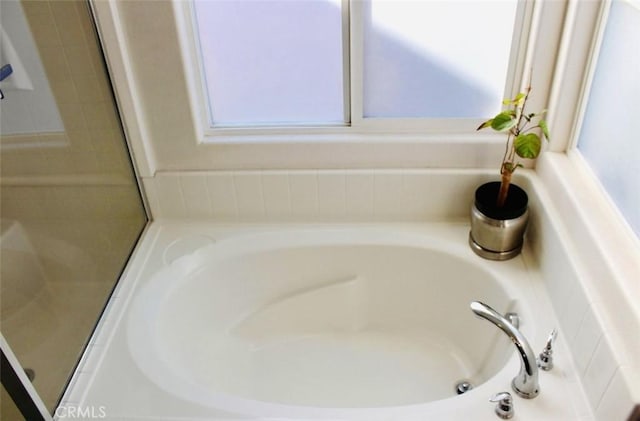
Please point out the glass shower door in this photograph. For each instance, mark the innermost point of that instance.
(71, 210)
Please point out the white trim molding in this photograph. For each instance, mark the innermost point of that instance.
(113, 39)
(571, 72)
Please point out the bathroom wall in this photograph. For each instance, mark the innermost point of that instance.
(71, 193)
(83, 97)
(82, 171)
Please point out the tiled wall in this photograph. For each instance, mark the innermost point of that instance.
(70, 201)
(84, 171)
(315, 195)
(604, 369)
(92, 141)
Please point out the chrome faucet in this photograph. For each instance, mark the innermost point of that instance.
(525, 384)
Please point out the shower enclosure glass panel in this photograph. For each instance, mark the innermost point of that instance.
(70, 206)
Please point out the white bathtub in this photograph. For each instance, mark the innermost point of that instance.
(355, 323)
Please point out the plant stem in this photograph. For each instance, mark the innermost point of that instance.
(505, 157)
(508, 164)
(504, 187)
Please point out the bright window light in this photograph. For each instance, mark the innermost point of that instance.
(272, 62)
(436, 58)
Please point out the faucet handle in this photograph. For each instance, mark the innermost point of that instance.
(504, 408)
(545, 360)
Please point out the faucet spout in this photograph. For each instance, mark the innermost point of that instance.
(525, 384)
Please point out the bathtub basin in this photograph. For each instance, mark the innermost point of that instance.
(337, 320)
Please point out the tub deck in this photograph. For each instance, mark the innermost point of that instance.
(109, 377)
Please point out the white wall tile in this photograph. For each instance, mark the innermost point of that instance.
(169, 193)
(359, 194)
(249, 195)
(331, 194)
(222, 195)
(277, 200)
(419, 193)
(584, 344)
(303, 189)
(617, 402)
(316, 195)
(388, 194)
(599, 373)
(561, 280)
(572, 313)
(196, 198)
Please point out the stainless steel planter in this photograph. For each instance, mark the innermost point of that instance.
(497, 238)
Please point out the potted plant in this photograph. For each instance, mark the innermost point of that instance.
(500, 211)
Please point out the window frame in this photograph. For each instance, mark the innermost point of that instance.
(162, 120)
(357, 127)
(573, 151)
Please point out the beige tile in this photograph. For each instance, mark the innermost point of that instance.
(35, 7)
(65, 91)
(89, 91)
(84, 162)
(97, 116)
(72, 116)
(79, 61)
(55, 64)
(44, 30)
(68, 22)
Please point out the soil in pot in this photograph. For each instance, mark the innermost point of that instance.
(514, 206)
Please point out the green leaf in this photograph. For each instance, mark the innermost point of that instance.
(509, 167)
(527, 145)
(485, 125)
(545, 128)
(519, 98)
(504, 121)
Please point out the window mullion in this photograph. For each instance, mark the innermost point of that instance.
(355, 62)
(346, 60)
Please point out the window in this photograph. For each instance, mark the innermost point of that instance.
(436, 59)
(356, 64)
(272, 62)
(608, 137)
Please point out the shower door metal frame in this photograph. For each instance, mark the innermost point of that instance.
(18, 386)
